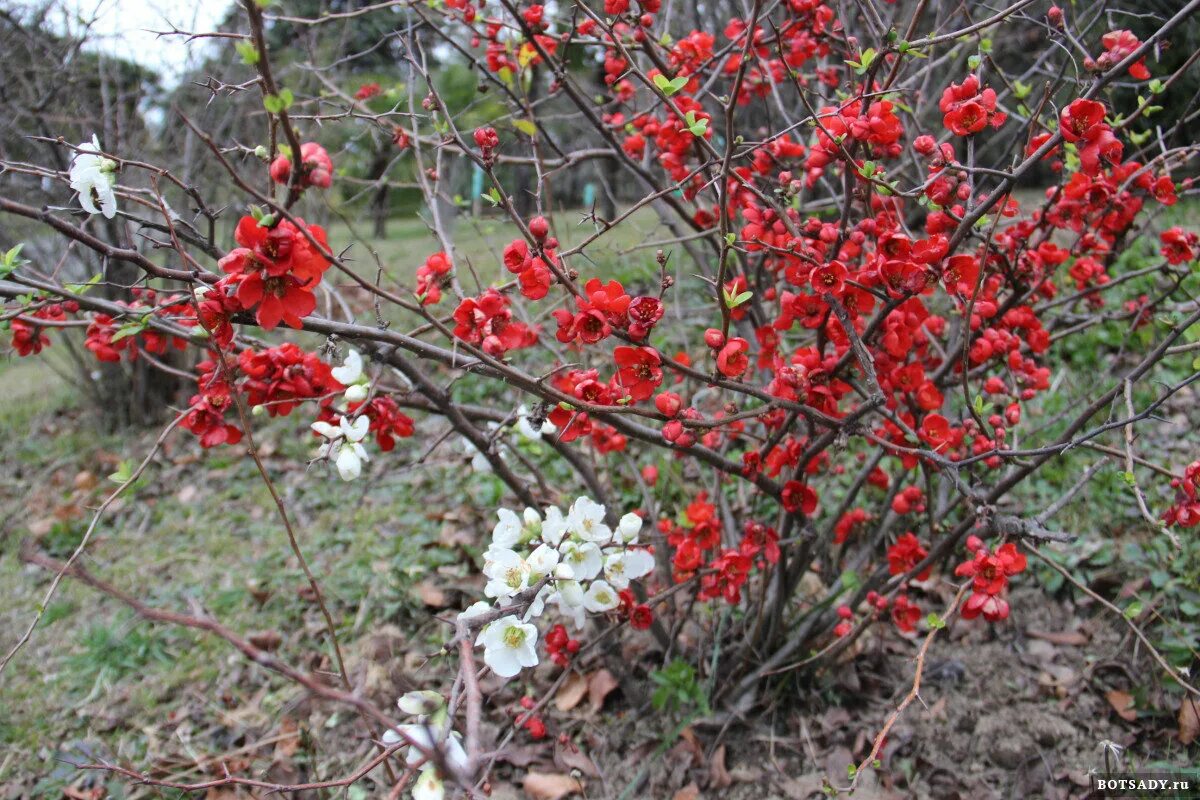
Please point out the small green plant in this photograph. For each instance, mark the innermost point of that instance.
(677, 689)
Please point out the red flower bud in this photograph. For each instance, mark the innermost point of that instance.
(538, 228)
(714, 338)
(668, 404)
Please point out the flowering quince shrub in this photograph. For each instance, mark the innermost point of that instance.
(880, 253)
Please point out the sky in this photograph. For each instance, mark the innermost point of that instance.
(123, 27)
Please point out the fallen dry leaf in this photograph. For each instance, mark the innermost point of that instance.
(571, 693)
(187, 494)
(85, 480)
(718, 775)
(600, 685)
(1189, 720)
(689, 792)
(1068, 638)
(265, 640)
(550, 786)
(431, 595)
(1122, 703)
(289, 741)
(568, 756)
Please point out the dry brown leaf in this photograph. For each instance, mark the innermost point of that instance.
(550, 786)
(431, 595)
(265, 640)
(718, 776)
(187, 494)
(289, 741)
(571, 693)
(85, 480)
(689, 792)
(1068, 638)
(600, 685)
(1189, 720)
(1122, 703)
(568, 756)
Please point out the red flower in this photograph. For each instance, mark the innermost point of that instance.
(279, 298)
(644, 314)
(206, 416)
(732, 360)
(316, 169)
(967, 110)
(797, 496)
(990, 571)
(366, 92)
(905, 554)
(639, 370)
(641, 617)
(993, 607)
(905, 614)
(1080, 119)
(935, 431)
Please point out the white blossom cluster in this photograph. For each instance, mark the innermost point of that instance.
(430, 732)
(343, 441)
(583, 563)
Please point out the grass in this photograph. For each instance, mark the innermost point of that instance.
(200, 534)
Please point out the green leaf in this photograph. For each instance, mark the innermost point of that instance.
(525, 126)
(974, 61)
(248, 52)
(730, 238)
(672, 86)
(123, 474)
(129, 329)
(935, 622)
(273, 103)
(1157, 87)
(741, 298)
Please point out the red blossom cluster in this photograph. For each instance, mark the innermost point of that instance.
(989, 573)
(968, 108)
(487, 321)
(316, 167)
(275, 270)
(1185, 512)
(560, 646)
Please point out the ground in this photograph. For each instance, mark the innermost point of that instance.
(1015, 710)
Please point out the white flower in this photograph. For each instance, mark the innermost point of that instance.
(569, 598)
(357, 393)
(583, 558)
(628, 529)
(424, 737)
(542, 561)
(475, 610)
(344, 440)
(509, 645)
(507, 532)
(526, 427)
(428, 786)
(554, 526)
(507, 573)
(421, 703)
(600, 597)
(351, 371)
(586, 520)
(92, 172)
(539, 603)
(479, 462)
(627, 565)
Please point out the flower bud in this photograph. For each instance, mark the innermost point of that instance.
(668, 404)
(538, 228)
(714, 338)
(356, 393)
